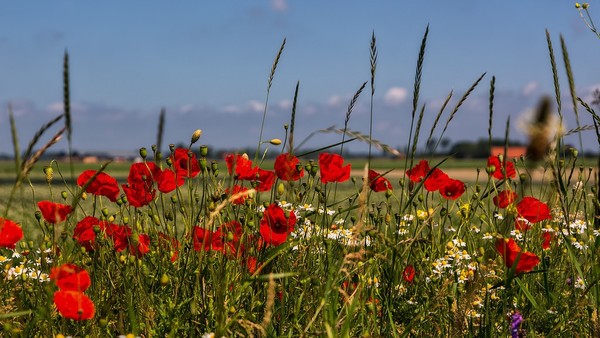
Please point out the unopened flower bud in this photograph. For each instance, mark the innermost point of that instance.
(105, 212)
(48, 172)
(172, 147)
(164, 280)
(203, 150)
(64, 195)
(577, 5)
(169, 162)
(214, 166)
(38, 215)
(585, 5)
(280, 189)
(196, 136)
(491, 169)
(275, 141)
(143, 153)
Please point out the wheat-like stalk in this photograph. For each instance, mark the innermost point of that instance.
(293, 120)
(569, 71)
(491, 109)
(364, 138)
(161, 129)
(437, 118)
(554, 75)
(37, 136)
(349, 112)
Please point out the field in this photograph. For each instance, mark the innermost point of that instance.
(184, 245)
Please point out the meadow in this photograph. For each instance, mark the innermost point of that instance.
(307, 245)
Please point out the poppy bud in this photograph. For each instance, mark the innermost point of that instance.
(275, 141)
(491, 169)
(154, 148)
(164, 280)
(169, 162)
(203, 150)
(105, 212)
(172, 147)
(280, 189)
(83, 196)
(143, 153)
(196, 136)
(64, 195)
(585, 5)
(38, 215)
(313, 170)
(48, 172)
(308, 167)
(214, 166)
(577, 5)
(174, 199)
(125, 220)
(159, 156)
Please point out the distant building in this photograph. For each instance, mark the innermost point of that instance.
(511, 151)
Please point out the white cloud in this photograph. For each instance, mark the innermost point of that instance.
(395, 96)
(334, 101)
(232, 109)
(187, 108)
(58, 107)
(285, 104)
(255, 106)
(279, 5)
(530, 88)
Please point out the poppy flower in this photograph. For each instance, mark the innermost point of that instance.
(275, 226)
(331, 168)
(10, 233)
(70, 277)
(54, 212)
(377, 182)
(120, 235)
(84, 232)
(168, 181)
(287, 167)
(242, 165)
(142, 247)
(452, 189)
(533, 209)
(103, 184)
(140, 183)
(547, 236)
(265, 179)
(139, 195)
(409, 273)
(418, 172)
(74, 305)
(498, 168)
(436, 180)
(185, 163)
(505, 198)
(510, 252)
(236, 190)
(204, 239)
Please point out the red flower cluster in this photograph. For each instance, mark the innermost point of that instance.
(70, 300)
(103, 184)
(331, 168)
(531, 210)
(242, 168)
(54, 212)
(287, 167)
(275, 225)
(185, 164)
(437, 180)
(10, 233)
(86, 230)
(505, 198)
(501, 170)
(511, 252)
(378, 183)
(409, 273)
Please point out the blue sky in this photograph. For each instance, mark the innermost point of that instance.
(207, 64)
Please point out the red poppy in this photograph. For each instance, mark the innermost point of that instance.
(265, 179)
(505, 198)
(142, 247)
(377, 182)
(103, 184)
(10, 233)
(533, 209)
(243, 167)
(185, 163)
(229, 235)
(409, 273)
(331, 168)
(70, 277)
(54, 212)
(84, 232)
(452, 189)
(436, 180)
(275, 226)
(167, 181)
(74, 305)
(510, 252)
(418, 172)
(236, 190)
(509, 170)
(251, 264)
(287, 167)
(204, 239)
(120, 235)
(138, 195)
(140, 190)
(547, 236)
